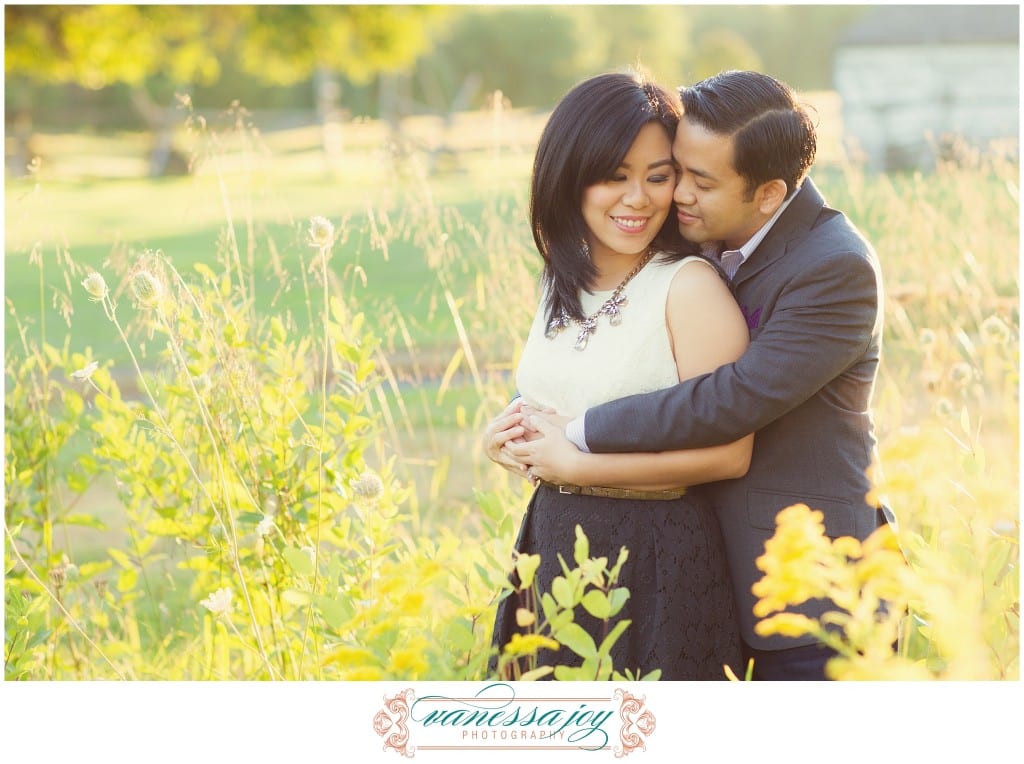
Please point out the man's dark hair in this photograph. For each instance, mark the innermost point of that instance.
(773, 135)
(584, 142)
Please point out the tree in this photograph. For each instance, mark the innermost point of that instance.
(160, 50)
(152, 49)
(718, 50)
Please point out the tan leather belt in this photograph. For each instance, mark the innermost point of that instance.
(616, 493)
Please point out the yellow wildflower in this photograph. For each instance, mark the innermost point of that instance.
(787, 624)
(529, 644)
(793, 561)
(347, 655)
(411, 603)
(363, 674)
(407, 662)
(847, 546)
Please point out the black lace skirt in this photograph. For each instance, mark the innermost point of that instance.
(681, 607)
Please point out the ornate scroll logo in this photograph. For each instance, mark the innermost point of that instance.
(390, 721)
(637, 724)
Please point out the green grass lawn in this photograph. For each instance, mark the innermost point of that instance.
(265, 195)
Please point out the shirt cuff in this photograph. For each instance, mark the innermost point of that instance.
(575, 431)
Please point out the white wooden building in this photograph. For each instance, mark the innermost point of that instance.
(910, 77)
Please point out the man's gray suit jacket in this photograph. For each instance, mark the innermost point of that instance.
(811, 293)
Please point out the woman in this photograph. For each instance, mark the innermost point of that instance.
(626, 308)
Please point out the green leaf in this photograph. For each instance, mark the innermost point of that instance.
(89, 569)
(460, 637)
(613, 636)
(613, 575)
(547, 603)
(596, 603)
(617, 598)
(295, 597)
(298, 560)
(89, 521)
(537, 673)
(335, 612)
(561, 619)
(581, 549)
(37, 638)
(121, 558)
(526, 568)
(576, 639)
(562, 592)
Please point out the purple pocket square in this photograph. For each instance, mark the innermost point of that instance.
(753, 316)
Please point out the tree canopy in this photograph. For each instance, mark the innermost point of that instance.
(100, 45)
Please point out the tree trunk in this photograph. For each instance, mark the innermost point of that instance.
(327, 89)
(164, 159)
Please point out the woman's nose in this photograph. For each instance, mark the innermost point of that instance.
(636, 196)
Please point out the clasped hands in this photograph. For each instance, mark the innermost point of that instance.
(530, 442)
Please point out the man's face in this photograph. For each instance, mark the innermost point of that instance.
(711, 197)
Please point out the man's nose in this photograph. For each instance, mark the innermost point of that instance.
(684, 192)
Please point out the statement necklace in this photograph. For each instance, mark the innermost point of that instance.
(612, 307)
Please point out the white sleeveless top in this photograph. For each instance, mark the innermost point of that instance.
(634, 357)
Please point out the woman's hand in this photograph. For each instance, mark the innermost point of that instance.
(506, 428)
(549, 455)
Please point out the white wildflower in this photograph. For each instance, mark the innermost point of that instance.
(265, 526)
(96, 286)
(994, 330)
(219, 603)
(310, 553)
(961, 374)
(321, 232)
(86, 371)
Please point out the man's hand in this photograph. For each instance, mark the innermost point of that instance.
(548, 415)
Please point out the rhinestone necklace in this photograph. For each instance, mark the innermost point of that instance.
(612, 307)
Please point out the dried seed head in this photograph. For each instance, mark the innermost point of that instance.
(96, 286)
(368, 486)
(147, 289)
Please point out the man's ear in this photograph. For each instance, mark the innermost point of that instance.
(770, 195)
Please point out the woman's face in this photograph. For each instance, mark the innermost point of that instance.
(625, 212)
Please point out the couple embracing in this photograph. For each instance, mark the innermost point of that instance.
(703, 356)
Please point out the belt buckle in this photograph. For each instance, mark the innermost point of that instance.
(561, 489)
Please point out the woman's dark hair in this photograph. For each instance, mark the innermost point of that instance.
(773, 135)
(584, 142)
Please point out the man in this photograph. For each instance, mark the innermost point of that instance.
(810, 288)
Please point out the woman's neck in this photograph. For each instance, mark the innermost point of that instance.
(613, 269)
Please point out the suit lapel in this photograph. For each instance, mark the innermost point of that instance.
(798, 218)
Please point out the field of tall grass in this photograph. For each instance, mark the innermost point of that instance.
(242, 409)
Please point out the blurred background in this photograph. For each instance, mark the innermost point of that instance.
(904, 77)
